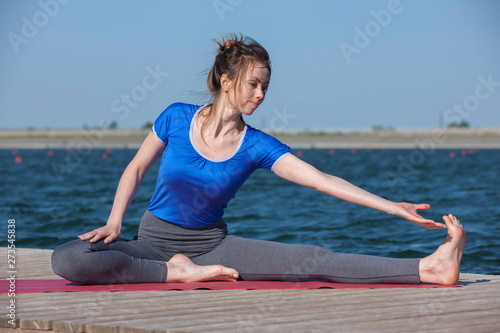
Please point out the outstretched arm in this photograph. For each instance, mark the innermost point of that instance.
(295, 170)
(129, 183)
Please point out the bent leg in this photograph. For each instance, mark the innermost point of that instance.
(114, 263)
(265, 260)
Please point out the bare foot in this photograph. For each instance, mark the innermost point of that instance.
(443, 266)
(182, 269)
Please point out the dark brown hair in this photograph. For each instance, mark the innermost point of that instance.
(236, 53)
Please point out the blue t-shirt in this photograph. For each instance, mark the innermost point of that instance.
(192, 190)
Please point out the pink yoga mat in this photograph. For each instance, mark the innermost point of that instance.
(62, 285)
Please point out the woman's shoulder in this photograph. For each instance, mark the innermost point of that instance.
(182, 107)
(174, 117)
(257, 132)
(178, 110)
(264, 148)
(257, 136)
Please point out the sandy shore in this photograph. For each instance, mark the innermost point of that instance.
(98, 138)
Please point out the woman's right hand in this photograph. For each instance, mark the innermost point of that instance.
(108, 232)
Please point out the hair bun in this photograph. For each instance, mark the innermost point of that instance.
(233, 40)
(229, 43)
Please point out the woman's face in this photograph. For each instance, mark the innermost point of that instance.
(252, 88)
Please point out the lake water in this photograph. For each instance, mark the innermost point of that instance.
(54, 195)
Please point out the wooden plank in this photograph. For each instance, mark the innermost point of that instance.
(472, 307)
(299, 318)
(39, 325)
(265, 302)
(187, 298)
(205, 327)
(202, 304)
(30, 264)
(73, 326)
(5, 322)
(178, 316)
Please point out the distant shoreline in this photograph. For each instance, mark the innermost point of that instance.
(132, 139)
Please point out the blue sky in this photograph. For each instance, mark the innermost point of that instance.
(337, 65)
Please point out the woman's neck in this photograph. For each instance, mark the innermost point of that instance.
(226, 120)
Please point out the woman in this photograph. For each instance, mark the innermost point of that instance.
(207, 154)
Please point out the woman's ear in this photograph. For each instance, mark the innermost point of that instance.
(225, 83)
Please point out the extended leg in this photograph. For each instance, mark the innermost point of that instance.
(264, 260)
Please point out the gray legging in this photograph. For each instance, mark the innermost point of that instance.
(142, 259)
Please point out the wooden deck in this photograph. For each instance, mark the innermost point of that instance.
(475, 307)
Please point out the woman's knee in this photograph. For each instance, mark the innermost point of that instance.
(67, 257)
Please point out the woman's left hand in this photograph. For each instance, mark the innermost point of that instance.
(409, 211)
